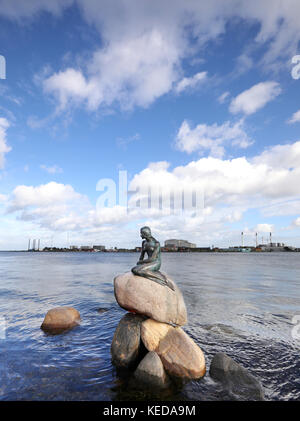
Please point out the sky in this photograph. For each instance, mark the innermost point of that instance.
(192, 109)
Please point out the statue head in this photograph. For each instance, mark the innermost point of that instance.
(145, 232)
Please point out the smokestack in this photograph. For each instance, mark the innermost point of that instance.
(29, 244)
(33, 245)
(39, 245)
(242, 239)
(270, 238)
(256, 239)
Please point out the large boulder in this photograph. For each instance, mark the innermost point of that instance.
(60, 318)
(180, 355)
(150, 372)
(126, 342)
(235, 378)
(143, 296)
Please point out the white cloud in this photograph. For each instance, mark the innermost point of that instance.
(190, 82)
(68, 85)
(295, 118)
(130, 72)
(222, 98)
(296, 222)
(3, 198)
(54, 169)
(144, 44)
(212, 138)
(281, 156)
(255, 98)
(230, 188)
(4, 148)
(238, 181)
(52, 206)
(124, 142)
(244, 63)
(44, 195)
(282, 208)
(35, 123)
(264, 228)
(278, 21)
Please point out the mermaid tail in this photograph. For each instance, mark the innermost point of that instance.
(153, 275)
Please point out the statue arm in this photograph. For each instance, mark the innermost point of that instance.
(156, 251)
(154, 254)
(141, 259)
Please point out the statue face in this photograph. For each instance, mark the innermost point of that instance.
(145, 233)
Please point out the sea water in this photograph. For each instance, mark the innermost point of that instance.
(243, 304)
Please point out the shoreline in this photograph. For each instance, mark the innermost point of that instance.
(220, 251)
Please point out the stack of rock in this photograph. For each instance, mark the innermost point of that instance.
(150, 339)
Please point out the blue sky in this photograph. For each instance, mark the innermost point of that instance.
(197, 97)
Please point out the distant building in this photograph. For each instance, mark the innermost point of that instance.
(85, 248)
(179, 244)
(73, 247)
(272, 247)
(202, 249)
(99, 248)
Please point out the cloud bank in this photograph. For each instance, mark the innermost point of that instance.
(143, 45)
(230, 188)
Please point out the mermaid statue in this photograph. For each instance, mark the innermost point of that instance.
(149, 268)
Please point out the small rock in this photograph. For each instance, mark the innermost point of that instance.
(235, 377)
(143, 296)
(60, 318)
(125, 345)
(102, 310)
(151, 373)
(180, 355)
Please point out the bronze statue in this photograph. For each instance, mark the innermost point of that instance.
(149, 268)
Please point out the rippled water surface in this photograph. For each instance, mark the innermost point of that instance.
(242, 304)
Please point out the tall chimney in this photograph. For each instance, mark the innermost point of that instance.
(39, 245)
(242, 239)
(270, 238)
(29, 244)
(256, 239)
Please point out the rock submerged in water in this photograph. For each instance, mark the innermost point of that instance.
(235, 378)
(180, 355)
(60, 319)
(143, 296)
(150, 372)
(126, 342)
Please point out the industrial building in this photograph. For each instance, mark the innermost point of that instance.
(175, 244)
(85, 248)
(99, 248)
(35, 245)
